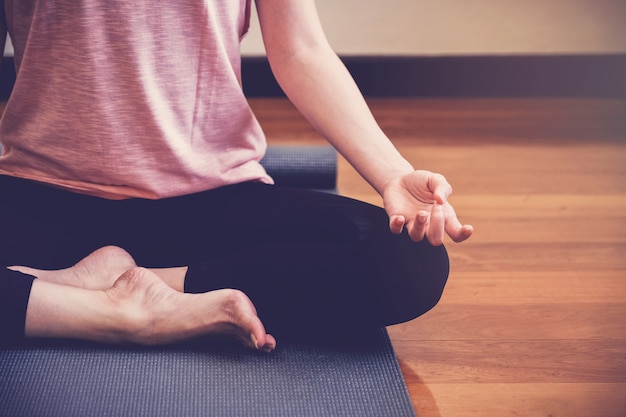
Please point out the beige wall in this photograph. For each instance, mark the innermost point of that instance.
(469, 27)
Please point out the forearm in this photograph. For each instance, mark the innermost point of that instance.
(319, 85)
(317, 82)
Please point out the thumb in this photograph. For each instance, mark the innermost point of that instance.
(440, 187)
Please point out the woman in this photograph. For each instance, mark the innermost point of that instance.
(127, 132)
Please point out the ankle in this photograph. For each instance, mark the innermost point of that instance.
(126, 302)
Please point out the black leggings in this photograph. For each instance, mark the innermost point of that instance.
(307, 260)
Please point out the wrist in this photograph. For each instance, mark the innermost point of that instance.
(394, 176)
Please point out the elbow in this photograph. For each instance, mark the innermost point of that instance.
(299, 61)
(298, 52)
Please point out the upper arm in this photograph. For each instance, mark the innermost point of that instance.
(289, 27)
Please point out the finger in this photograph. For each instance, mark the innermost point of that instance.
(417, 230)
(436, 227)
(462, 233)
(457, 231)
(440, 187)
(396, 224)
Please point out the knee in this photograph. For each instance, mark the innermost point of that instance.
(417, 283)
(430, 271)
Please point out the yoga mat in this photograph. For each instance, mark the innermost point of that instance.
(312, 167)
(210, 378)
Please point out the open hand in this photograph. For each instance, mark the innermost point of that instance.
(419, 202)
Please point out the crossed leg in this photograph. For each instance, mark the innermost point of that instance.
(250, 237)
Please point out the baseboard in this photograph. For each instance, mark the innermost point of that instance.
(451, 76)
(469, 76)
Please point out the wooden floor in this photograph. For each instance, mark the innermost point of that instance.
(533, 320)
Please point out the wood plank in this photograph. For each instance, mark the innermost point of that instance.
(531, 287)
(569, 229)
(550, 206)
(519, 322)
(513, 362)
(519, 400)
(537, 256)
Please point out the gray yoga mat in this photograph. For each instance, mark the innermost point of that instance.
(312, 167)
(210, 378)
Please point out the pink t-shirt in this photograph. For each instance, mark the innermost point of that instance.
(126, 98)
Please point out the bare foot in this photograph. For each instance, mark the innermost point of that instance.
(158, 314)
(98, 271)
